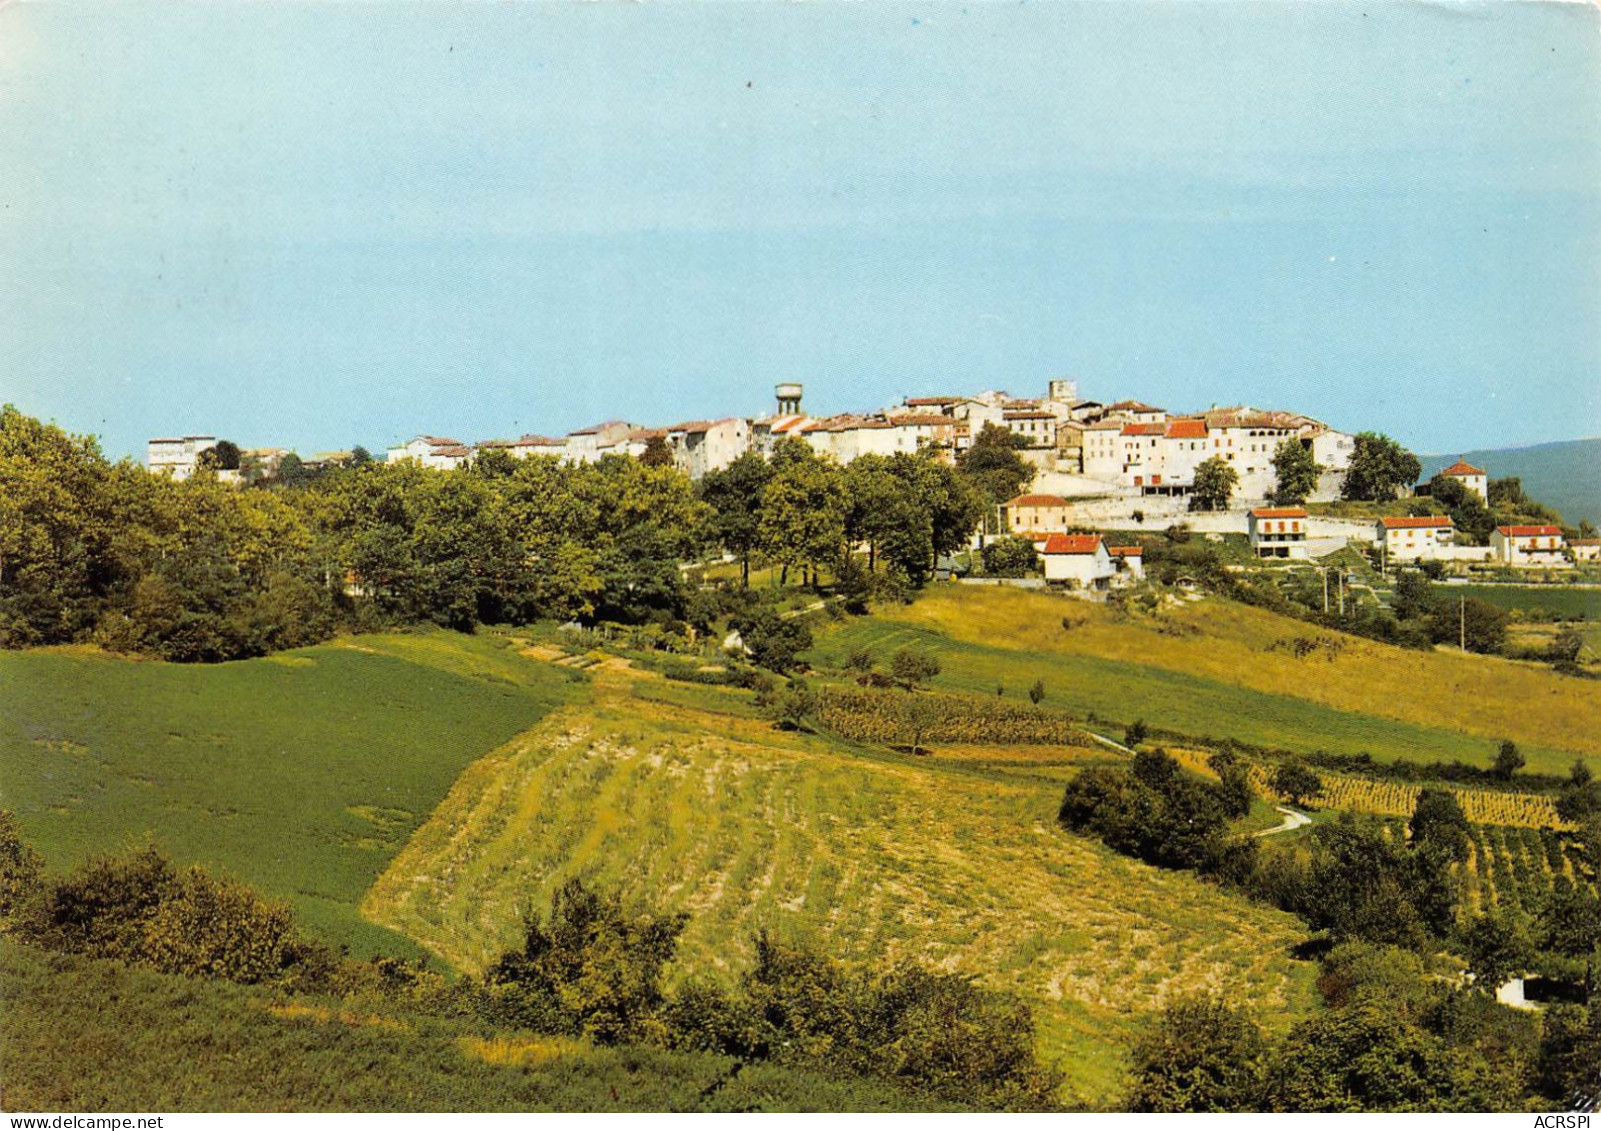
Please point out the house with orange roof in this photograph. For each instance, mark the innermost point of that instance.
(1035, 516)
(1080, 561)
(1534, 546)
(1415, 537)
(1473, 478)
(1278, 532)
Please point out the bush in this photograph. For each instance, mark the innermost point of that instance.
(1201, 1055)
(20, 870)
(592, 968)
(912, 666)
(775, 642)
(1010, 557)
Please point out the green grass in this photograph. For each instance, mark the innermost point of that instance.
(300, 774)
(1215, 669)
(1556, 600)
(77, 1035)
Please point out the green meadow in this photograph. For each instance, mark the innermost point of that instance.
(300, 774)
(1567, 601)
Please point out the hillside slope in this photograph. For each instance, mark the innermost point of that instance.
(300, 774)
(1565, 475)
(683, 800)
(1219, 669)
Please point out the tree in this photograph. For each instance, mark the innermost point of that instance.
(20, 869)
(1013, 556)
(1581, 796)
(1296, 780)
(1379, 468)
(1496, 947)
(735, 496)
(1134, 734)
(1508, 760)
(912, 666)
(227, 455)
(1036, 693)
(802, 508)
(1478, 624)
(792, 704)
(775, 642)
(994, 467)
(1215, 480)
(1413, 598)
(656, 453)
(1438, 820)
(1296, 473)
(359, 457)
(1200, 1055)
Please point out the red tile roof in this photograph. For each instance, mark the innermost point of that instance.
(531, 440)
(1144, 429)
(1187, 429)
(1072, 543)
(1132, 406)
(1415, 522)
(1126, 551)
(1461, 467)
(1585, 542)
(1279, 512)
(1026, 414)
(1036, 501)
(922, 419)
(925, 402)
(1528, 531)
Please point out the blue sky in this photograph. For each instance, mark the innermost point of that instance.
(322, 225)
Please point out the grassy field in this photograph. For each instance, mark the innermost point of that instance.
(679, 797)
(1218, 669)
(77, 1035)
(1557, 600)
(300, 774)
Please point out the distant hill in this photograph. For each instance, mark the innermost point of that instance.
(1565, 475)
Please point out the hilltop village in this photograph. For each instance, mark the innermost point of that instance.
(1125, 465)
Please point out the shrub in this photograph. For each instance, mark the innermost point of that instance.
(20, 869)
(912, 666)
(1200, 1055)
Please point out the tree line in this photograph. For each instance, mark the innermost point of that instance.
(197, 570)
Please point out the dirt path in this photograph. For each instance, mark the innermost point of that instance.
(1292, 820)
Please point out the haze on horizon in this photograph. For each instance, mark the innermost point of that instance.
(318, 225)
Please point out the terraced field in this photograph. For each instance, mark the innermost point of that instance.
(1217, 669)
(683, 800)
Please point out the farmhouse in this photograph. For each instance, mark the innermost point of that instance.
(1278, 532)
(1586, 549)
(1528, 545)
(1415, 538)
(1034, 515)
(177, 457)
(1079, 560)
(431, 451)
(1473, 478)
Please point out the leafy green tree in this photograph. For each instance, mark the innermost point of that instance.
(1036, 693)
(1581, 796)
(774, 641)
(21, 869)
(1295, 473)
(1200, 1055)
(792, 704)
(802, 508)
(954, 508)
(1414, 597)
(1469, 513)
(1134, 734)
(1296, 780)
(735, 496)
(994, 468)
(1215, 480)
(1481, 625)
(912, 666)
(1013, 556)
(1570, 1054)
(1437, 819)
(1379, 468)
(1508, 760)
(1495, 946)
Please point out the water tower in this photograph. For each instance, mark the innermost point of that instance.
(789, 398)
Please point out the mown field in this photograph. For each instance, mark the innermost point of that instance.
(1217, 669)
(1566, 601)
(300, 774)
(681, 799)
(78, 1035)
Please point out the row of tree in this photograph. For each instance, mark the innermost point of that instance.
(198, 570)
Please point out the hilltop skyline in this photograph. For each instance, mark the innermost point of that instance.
(317, 226)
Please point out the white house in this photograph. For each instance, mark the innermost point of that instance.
(439, 452)
(177, 457)
(1278, 532)
(1528, 545)
(1414, 538)
(1473, 478)
(711, 445)
(586, 445)
(1586, 549)
(1078, 560)
(531, 445)
(1129, 563)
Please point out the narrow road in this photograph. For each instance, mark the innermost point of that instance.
(1292, 820)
